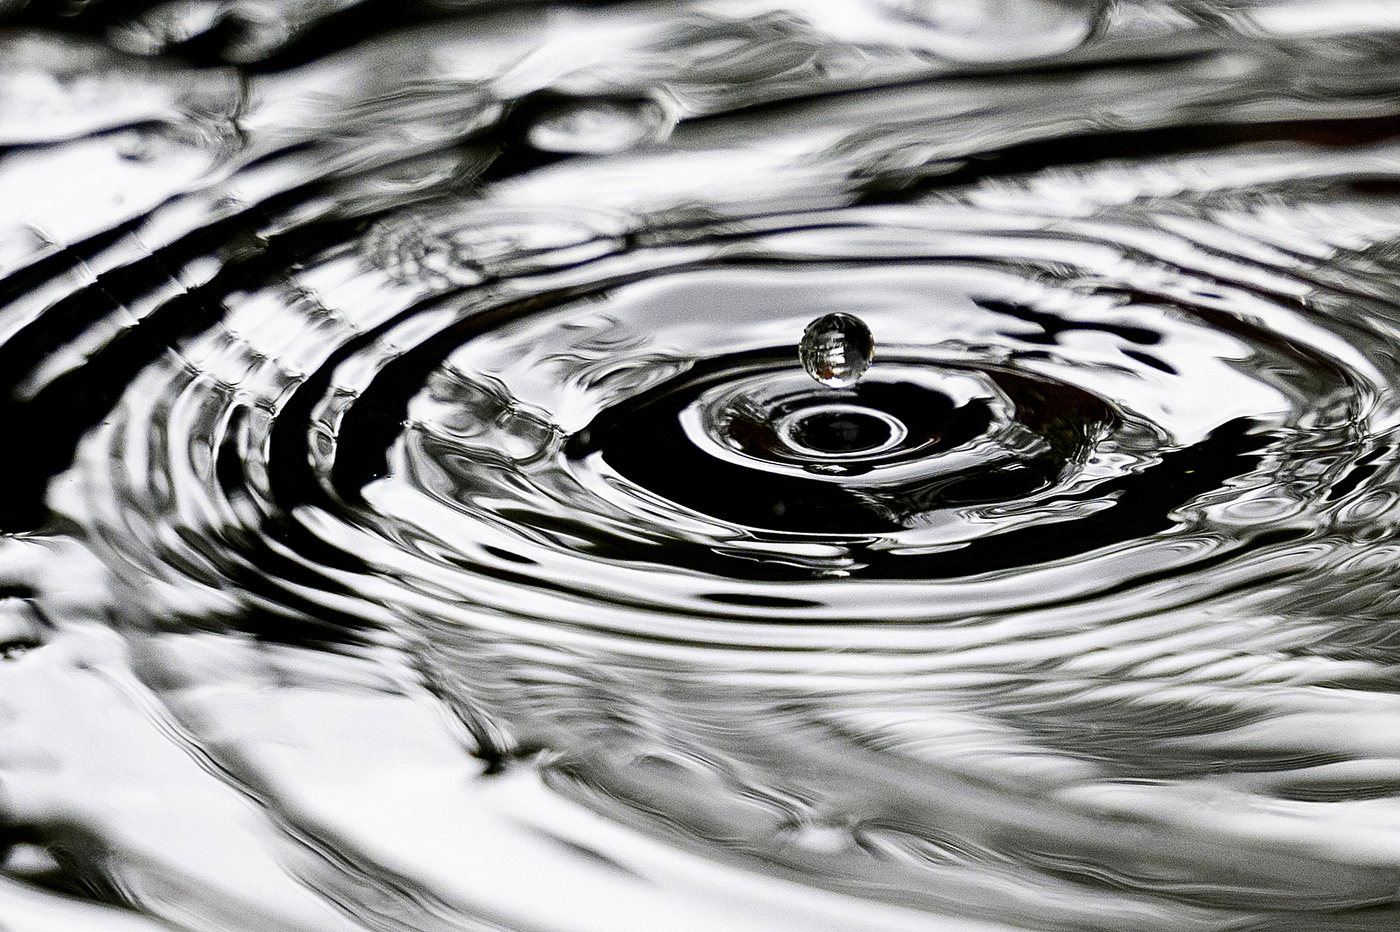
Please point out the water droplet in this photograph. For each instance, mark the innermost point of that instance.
(837, 349)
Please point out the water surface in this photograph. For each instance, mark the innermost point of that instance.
(418, 517)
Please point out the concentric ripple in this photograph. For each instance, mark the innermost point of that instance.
(425, 411)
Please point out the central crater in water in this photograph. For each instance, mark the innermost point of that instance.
(757, 442)
(841, 430)
(672, 422)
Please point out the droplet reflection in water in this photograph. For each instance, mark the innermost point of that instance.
(837, 349)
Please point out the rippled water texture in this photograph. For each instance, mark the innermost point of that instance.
(417, 515)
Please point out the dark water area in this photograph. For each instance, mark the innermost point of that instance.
(733, 464)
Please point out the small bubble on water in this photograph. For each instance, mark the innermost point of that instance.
(837, 349)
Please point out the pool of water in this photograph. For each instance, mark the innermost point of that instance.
(417, 514)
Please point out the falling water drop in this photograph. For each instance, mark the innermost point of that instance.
(837, 349)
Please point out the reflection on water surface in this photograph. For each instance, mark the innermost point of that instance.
(418, 516)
